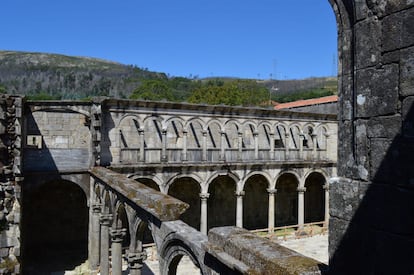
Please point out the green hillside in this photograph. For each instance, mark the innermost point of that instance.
(53, 76)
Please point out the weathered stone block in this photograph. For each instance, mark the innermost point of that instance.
(384, 127)
(377, 91)
(407, 72)
(368, 45)
(344, 198)
(408, 116)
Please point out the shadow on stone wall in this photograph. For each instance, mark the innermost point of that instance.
(379, 238)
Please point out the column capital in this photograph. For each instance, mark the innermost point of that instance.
(239, 193)
(96, 208)
(117, 235)
(255, 134)
(204, 196)
(326, 186)
(135, 260)
(271, 191)
(204, 132)
(301, 189)
(141, 131)
(106, 219)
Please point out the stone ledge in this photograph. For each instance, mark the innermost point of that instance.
(250, 254)
(163, 207)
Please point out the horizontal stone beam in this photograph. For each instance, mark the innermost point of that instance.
(247, 253)
(162, 206)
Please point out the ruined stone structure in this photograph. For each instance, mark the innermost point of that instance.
(371, 229)
(251, 168)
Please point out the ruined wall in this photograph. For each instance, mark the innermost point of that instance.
(371, 226)
(57, 138)
(10, 179)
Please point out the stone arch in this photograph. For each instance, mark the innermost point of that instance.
(128, 128)
(314, 197)
(121, 221)
(286, 199)
(248, 130)
(107, 204)
(321, 136)
(195, 128)
(187, 189)
(308, 131)
(151, 181)
(153, 138)
(55, 226)
(214, 142)
(173, 251)
(281, 132)
(294, 136)
(175, 138)
(255, 201)
(222, 190)
(265, 136)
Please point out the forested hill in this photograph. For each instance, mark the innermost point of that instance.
(53, 76)
(67, 77)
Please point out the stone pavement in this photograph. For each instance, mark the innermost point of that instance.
(315, 247)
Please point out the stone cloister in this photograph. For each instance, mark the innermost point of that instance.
(370, 200)
(244, 167)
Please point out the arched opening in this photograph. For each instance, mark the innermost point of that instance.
(122, 223)
(129, 141)
(175, 140)
(149, 183)
(255, 204)
(314, 198)
(179, 259)
(188, 190)
(286, 200)
(55, 227)
(222, 202)
(152, 140)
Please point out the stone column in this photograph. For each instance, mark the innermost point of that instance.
(272, 146)
(240, 146)
(256, 145)
(164, 157)
(94, 242)
(106, 221)
(184, 156)
(301, 139)
(117, 236)
(223, 146)
(326, 187)
(204, 153)
(271, 217)
(203, 220)
(239, 208)
(287, 141)
(301, 206)
(141, 145)
(136, 262)
(314, 147)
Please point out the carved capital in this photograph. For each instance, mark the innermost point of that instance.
(239, 193)
(272, 191)
(105, 219)
(326, 186)
(96, 208)
(204, 196)
(135, 260)
(301, 189)
(117, 235)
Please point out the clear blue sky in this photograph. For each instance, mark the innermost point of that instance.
(241, 38)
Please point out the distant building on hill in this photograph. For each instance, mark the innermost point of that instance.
(323, 105)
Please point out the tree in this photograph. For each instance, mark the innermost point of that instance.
(154, 89)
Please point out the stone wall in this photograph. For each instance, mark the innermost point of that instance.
(10, 178)
(371, 229)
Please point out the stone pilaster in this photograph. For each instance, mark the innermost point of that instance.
(117, 236)
(239, 208)
(94, 234)
(301, 206)
(271, 216)
(203, 220)
(105, 221)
